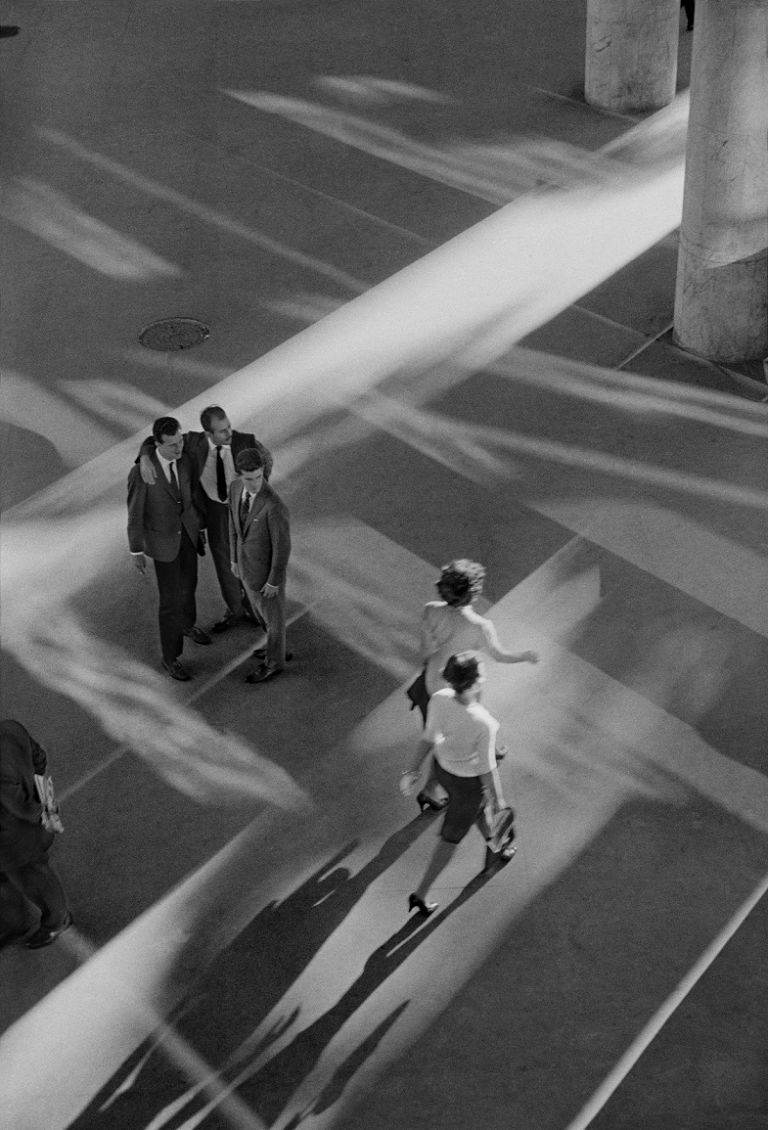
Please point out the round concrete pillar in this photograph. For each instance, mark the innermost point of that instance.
(631, 57)
(721, 300)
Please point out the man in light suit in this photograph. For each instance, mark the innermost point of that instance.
(213, 452)
(165, 522)
(260, 544)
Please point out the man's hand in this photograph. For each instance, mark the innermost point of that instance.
(235, 571)
(269, 590)
(530, 657)
(140, 562)
(147, 471)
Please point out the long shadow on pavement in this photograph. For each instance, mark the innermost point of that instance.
(249, 979)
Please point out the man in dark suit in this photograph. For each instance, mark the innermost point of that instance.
(24, 845)
(165, 521)
(213, 452)
(260, 544)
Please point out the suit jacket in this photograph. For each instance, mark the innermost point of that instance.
(196, 446)
(260, 550)
(22, 836)
(156, 518)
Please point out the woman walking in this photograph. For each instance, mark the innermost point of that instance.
(448, 626)
(462, 736)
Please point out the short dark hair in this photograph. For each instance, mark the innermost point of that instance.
(462, 671)
(208, 415)
(165, 426)
(460, 581)
(250, 459)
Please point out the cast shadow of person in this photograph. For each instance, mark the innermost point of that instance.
(267, 1088)
(219, 1014)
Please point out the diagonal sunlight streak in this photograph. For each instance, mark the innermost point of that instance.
(53, 217)
(636, 747)
(492, 173)
(620, 746)
(117, 997)
(651, 1029)
(644, 396)
(127, 698)
(459, 300)
(468, 449)
(201, 211)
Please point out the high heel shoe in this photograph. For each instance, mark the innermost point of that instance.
(428, 803)
(424, 908)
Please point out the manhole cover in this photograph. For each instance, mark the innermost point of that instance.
(174, 333)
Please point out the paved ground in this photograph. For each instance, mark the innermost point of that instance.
(299, 177)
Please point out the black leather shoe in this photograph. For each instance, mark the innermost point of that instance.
(177, 671)
(44, 936)
(430, 803)
(424, 908)
(197, 635)
(227, 621)
(261, 674)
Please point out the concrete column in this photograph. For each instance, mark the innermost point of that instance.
(721, 301)
(631, 58)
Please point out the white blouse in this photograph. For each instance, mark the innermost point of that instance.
(464, 734)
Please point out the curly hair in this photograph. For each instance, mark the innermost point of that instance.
(460, 582)
(462, 671)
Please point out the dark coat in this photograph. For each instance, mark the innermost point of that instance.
(22, 836)
(155, 518)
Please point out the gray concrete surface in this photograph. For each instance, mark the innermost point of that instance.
(235, 961)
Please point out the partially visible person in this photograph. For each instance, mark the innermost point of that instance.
(689, 7)
(165, 522)
(213, 452)
(460, 735)
(450, 625)
(260, 545)
(25, 843)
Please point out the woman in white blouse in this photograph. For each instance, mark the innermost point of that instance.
(461, 734)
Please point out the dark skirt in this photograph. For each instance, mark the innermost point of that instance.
(467, 797)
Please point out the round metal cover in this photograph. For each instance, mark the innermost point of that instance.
(174, 333)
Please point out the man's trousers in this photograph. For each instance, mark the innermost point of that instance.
(217, 514)
(176, 583)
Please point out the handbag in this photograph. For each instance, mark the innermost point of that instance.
(417, 691)
(50, 817)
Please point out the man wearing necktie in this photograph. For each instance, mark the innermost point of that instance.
(213, 452)
(165, 522)
(260, 545)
